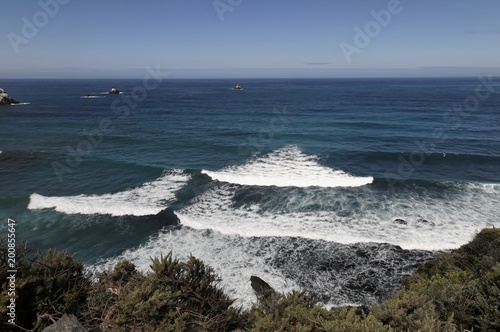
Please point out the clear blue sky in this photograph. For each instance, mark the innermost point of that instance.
(248, 38)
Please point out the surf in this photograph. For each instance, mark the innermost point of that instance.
(149, 199)
(422, 218)
(287, 167)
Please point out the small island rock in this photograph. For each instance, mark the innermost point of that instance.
(5, 99)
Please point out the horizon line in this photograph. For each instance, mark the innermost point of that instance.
(249, 78)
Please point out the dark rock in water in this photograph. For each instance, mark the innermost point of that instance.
(5, 99)
(401, 221)
(114, 91)
(261, 288)
(424, 221)
(67, 323)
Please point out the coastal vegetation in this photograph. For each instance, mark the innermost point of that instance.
(457, 291)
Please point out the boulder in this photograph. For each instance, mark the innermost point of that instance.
(5, 99)
(67, 323)
(261, 288)
(401, 221)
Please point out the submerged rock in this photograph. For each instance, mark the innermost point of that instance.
(425, 221)
(5, 99)
(401, 221)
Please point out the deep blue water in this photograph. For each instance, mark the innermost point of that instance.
(280, 179)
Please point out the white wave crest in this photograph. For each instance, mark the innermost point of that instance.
(287, 167)
(92, 97)
(148, 199)
(349, 216)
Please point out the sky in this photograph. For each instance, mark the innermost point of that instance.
(249, 38)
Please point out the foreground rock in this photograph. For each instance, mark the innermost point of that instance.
(5, 99)
(67, 323)
(261, 288)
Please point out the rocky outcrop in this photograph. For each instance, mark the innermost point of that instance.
(261, 288)
(67, 323)
(5, 99)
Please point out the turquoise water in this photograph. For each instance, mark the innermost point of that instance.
(297, 181)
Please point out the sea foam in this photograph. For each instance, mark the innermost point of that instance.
(287, 167)
(431, 221)
(148, 199)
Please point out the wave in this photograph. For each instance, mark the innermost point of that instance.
(92, 97)
(287, 167)
(149, 199)
(415, 218)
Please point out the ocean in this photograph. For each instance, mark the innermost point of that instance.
(337, 186)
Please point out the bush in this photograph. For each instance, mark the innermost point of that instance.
(458, 291)
(475, 257)
(46, 287)
(175, 296)
(298, 311)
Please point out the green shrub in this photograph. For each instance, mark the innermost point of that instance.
(487, 316)
(175, 296)
(458, 291)
(475, 257)
(47, 287)
(298, 311)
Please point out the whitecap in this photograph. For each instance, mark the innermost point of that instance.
(349, 215)
(92, 97)
(148, 199)
(287, 167)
